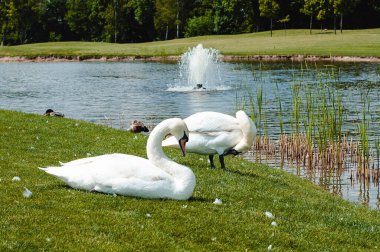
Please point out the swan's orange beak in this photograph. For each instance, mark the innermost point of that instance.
(182, 143)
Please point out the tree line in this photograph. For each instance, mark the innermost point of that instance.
(121, 21)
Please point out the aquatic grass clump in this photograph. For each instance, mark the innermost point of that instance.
(313, 128)
(364, 147)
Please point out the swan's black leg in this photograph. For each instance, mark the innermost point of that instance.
(221, 160)
(211, 158)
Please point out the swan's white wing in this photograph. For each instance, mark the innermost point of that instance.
(222, 141)
(207, 143)
(157, 187)
(211, 122)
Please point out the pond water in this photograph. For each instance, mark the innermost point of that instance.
(151, 92)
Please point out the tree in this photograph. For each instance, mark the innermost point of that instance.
(309, 9)
(199, 26)
(324, 10)
(77, 19)
(285, 20)
(141, 21)
(21, 20)
(55, 23)
(341, 7)
(110, 32)
(165, 18)
(134, 20)
(232, 16)
(269, 9)
(3, 20)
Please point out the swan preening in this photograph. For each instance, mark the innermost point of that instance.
(153, 178)
(216, 133)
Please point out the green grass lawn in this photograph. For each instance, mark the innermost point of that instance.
(58, 218)
(290, 42)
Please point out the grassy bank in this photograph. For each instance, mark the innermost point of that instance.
(362, 43)
(56, 217)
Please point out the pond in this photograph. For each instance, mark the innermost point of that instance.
(115, 93)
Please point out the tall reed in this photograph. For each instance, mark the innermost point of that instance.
(364, 150)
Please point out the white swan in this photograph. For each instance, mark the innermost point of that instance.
(158, 177)
(216, 133)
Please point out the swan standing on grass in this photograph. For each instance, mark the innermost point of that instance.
(216, 133)
(158, 177)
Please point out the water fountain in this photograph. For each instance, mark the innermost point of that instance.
(199, 69)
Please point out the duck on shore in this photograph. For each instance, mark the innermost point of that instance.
(51, 112)
(137, 127)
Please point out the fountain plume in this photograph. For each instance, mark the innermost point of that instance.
(199, 67)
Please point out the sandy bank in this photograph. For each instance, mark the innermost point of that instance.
(227, 58)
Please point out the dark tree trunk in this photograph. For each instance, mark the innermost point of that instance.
(271, 25)
(334, 24)
(311, 23)
(177, 19)
(115, 24)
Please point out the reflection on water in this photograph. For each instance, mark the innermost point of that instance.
(90, 91)
(151, 92)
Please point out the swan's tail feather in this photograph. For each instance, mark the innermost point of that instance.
(249, 130)
(55, 171)
(66, 177)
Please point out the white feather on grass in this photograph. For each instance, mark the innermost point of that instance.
(16, 178)
(269, 215)
(217, 201)
(27, 193)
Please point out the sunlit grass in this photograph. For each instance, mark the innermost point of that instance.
(293, 42)
(58, 218)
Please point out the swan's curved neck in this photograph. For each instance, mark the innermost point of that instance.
(153, 147)
(183, 177)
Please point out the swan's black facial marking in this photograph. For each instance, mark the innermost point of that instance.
(185, 136)
(182, 143)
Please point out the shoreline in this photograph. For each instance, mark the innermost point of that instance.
(225, 58)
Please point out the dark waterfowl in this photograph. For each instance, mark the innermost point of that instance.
(137, 127)
(51, 112)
